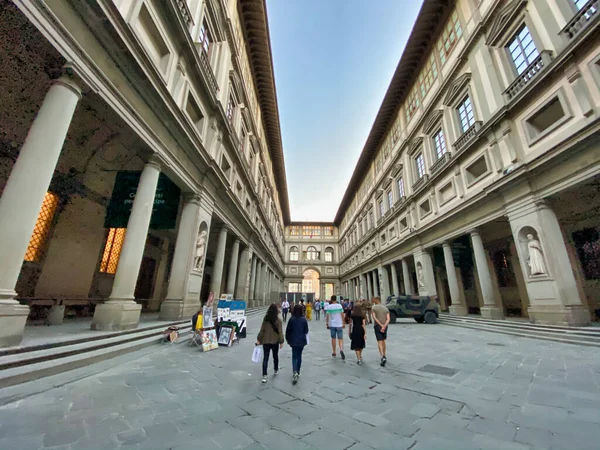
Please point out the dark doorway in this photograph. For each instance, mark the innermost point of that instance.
(145, 281)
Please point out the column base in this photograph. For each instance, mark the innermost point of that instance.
(250, 304)
(57, 315)
(13, 317)
(572, 316)
(178, 309)
(116, 316)
(458, 310)
(492, 312)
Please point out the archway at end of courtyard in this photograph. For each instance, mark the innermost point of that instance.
(311, 283)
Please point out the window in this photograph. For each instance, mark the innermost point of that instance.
(312, 254)
(420, 165)
(112, 250)
(465, 114)
(547, 118)
(504, 271)
(294, 254)
(328, 254)
(381, 209)
(205, 38)
(449, 37)
(37, 243)
(328, 231)
(579, 4)
(390, 199)
(522, 49)
(370, 220)
(428, 76)
(311, 230)
(412, 103)
(440, 143)
(294, 287)
(295, 231)
(230, 106)
(400, 187)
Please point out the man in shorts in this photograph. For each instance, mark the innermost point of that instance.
(334, 318)
(381, 316)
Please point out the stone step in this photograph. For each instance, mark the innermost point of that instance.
(589, 341)
(32, 363)
(507, 323)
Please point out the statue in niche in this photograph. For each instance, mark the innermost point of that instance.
(200, 246)
(420, 277)
(536, 262)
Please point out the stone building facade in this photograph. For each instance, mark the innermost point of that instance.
(175, 92)
(480, 179)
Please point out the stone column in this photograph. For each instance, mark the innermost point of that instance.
(369, 288)
(395, 285)
(217, 274)
(243, 279)
(363, 286)
(458, 306)
(407, 279)
(384, 283)
(233, 268)
(24, 194)
(263, 284)
(425, 274)
(490, 309)
(251, 295)
(376, 285)
(185, 245)
(257, 299)
(154, 304)
(121, 312)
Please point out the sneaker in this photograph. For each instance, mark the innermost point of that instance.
(295, 378)
(342, 353)
(359, 362)
(276, 372)
(383, 361)
(264, 380)
(333, 354)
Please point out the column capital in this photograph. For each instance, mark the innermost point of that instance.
(70, 83)
(446, 244)
(191, 197)
(474, 232)
(156, 161)
(237, 241)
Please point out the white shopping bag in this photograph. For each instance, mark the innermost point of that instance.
(307, 339)
(257, 354)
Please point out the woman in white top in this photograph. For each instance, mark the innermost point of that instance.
(285, 307)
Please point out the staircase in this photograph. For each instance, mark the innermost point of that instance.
(588, 336)
(22, 364)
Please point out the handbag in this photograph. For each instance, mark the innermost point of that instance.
(257, 354)
(307, 339)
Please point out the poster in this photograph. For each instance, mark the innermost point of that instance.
(225, 336)
(207, 312)
(209, 340)
(237, 313)
(223, 310)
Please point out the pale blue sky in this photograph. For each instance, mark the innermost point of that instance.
(334, 60)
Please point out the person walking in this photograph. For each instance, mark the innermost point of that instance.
(270, 337)
(317, 309)
(285, 307)
(381, 316)
(357, 332)
(334, 318)
(295, 335)
(369, 311)
(309, 309)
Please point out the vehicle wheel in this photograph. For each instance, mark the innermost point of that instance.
(430, 317)
(393, 317)
(420, 319)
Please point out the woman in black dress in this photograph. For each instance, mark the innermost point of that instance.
(357, 332)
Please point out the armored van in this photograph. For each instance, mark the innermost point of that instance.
(422, 309)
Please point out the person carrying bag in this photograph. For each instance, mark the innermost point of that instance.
(270, 337)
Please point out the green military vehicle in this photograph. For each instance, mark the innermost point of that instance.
(422, 309)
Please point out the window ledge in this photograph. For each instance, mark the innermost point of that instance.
(445, 159)
(468, 136)
(581, 20)
(207, 69)
(531, 72)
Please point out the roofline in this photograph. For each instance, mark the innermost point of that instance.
(432, 15)
(324, 224)
(255, 24)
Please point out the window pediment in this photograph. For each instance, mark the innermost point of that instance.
(432, 121)
(415, 145)
(503, 20)
(456, 88)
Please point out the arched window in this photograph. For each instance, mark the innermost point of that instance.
(329, 254)
(312, 254)
(294, 254)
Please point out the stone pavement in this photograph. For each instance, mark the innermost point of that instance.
(443, 388)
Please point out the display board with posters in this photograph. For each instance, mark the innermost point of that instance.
(223, 310)
(208, 334)
(209, 339)
(226, 335)
(237, 313)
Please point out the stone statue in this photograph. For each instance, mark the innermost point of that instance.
(200, 245)
(536, 257)
(420, 277)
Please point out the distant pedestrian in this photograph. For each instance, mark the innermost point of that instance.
(369, 311)
(303, 307)
(309, 309)
(357, 332)
(271, 338)
(381, 316)
(285, 307)
(318, 309)
(295, 335)
(334, 315)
